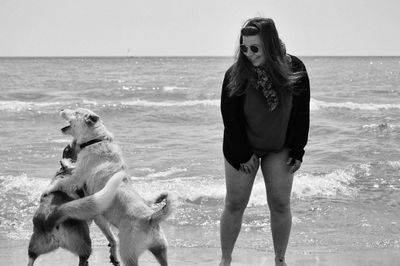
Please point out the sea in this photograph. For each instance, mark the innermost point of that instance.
(165, 115)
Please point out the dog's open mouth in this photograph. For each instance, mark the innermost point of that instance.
(65, 129)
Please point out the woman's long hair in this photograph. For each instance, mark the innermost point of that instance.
(276, 63)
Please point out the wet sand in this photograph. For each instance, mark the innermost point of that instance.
(15, 253)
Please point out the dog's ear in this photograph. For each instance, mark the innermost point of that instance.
(91, 119)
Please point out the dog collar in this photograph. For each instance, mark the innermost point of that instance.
(90, 142)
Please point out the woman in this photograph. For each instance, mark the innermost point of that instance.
(265, 110)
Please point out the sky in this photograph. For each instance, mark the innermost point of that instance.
(195, 28)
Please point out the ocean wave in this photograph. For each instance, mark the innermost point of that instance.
(186, 189)
(166, 173)
(318, 105)
(381, 127)
(20, 194)
(315, 105)
(146, 103)
(144, 169)
(115, 80)
(20, 106)
(173, 88)
(169, 89)
(206, 190)
(131, 88)
(336, 183)
(193, 188)
(19, 197)
(17, 106)
(60, 141)
(394, 164)
(28, 187)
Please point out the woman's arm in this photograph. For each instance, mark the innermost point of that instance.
(301, 119)
(236, 148)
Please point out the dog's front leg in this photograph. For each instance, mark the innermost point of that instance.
(104, 226)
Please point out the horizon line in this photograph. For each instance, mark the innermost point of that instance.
(170, 56)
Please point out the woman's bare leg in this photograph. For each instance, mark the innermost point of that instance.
(278, 181)
(238, 190)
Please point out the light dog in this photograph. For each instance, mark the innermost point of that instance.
(71, 234)
(99, 159)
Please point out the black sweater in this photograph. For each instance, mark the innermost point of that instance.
(236, 146)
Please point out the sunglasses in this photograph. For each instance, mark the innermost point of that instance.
(244, 48)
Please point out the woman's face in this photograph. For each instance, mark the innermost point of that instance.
(257, 58)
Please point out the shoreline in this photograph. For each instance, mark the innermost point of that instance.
(15, 253)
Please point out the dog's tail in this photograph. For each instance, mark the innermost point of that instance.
(88, 207)
(165, 211)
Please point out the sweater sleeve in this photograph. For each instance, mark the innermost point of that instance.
(236, 147)
(301, 119)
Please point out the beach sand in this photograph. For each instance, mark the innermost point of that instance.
(15, 253)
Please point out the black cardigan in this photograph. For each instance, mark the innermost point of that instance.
(236, 146)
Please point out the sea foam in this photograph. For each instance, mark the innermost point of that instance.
(203, 189)
(146, 103)
(336, 183)
(23, 185)
(17, 106)
(317, 105)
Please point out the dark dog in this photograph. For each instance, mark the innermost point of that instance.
(72, 234)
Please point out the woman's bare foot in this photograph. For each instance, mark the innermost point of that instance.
(225, 262)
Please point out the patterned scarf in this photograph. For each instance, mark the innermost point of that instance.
(264, 85)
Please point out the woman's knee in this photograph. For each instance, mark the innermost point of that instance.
(235, 205)
(279, 204)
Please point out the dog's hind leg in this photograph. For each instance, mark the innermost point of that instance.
(132, 243)
(129, 254)
(83, 260)
(76, 238)
(159, 245)
(130, 261)
(104, 226)
(160, 252)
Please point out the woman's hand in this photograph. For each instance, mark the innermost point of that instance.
(295, 164)
(250, 166)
